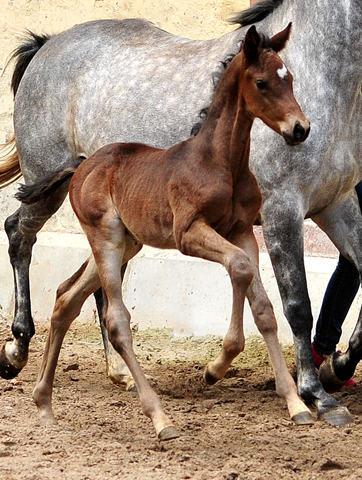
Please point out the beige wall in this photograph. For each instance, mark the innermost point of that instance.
(191, 18)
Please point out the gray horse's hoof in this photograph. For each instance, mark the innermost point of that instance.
(7, 369)
(327, 376)
(168, 433)
(339, 416)
(303, 418)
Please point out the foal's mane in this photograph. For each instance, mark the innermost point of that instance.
(256, 13)
(216, 77)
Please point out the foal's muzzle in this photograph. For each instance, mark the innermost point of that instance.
(299, 133)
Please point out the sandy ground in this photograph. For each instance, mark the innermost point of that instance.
(237, 429)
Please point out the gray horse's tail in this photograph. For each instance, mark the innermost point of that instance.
(9, 163)
(9, 159)
(256, 13)
(40, 191)
(23, 55)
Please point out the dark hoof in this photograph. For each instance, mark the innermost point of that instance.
(168, 433)
(338, 416)
(303, 418)
(208, 378)
(7, 369)
(329, 379)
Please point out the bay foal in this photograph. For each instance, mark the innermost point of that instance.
(199, 197)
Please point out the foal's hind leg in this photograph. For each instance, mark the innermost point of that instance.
(71, 296)
(21, 228)
(109, 245)
(117, 370)
(264, 317)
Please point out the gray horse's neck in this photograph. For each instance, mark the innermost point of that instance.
(323, 55)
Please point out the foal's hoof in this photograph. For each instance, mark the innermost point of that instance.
(168, 433)
(327, 376)
(339, 416)
(303, 418)
(208, 378)
(7, 369)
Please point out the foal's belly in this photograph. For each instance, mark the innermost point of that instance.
(150, 224)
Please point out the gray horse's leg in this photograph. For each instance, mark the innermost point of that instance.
(21, 228)
(284, 239)
(342, 222)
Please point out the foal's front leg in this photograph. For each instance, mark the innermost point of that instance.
(117, 370)
(265, 321)
(204, 242)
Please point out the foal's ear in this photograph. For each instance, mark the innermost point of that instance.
(277, 43)
(252, 44)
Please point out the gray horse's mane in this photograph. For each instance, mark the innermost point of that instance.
(256, 13)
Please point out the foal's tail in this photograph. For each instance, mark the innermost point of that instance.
(40, 191)
(9, 159)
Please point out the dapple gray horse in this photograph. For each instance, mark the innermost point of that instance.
(108, 81)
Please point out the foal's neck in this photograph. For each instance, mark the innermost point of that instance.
(225, 135)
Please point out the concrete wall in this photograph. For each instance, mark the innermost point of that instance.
(161, 289)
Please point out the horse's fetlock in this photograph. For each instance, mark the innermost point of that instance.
(23, 332)
(233, 344)
(233, 348)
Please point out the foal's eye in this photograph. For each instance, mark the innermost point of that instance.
(261, 85)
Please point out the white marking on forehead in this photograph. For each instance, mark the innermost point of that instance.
(282, 72)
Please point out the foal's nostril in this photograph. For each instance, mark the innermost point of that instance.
(298, 132)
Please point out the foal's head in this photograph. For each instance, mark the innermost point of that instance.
(268, 90)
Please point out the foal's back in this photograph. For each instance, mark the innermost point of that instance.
(129, 181)
(143, 187)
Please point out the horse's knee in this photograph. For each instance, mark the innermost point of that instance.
(21, 241)
(297, 312)
(266, 324)
(240, 269)
(11, 223)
